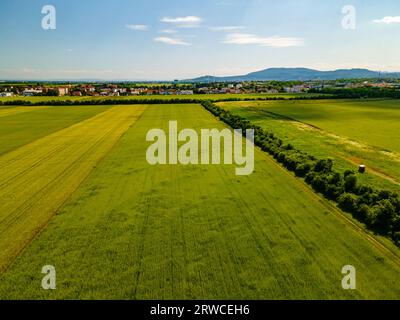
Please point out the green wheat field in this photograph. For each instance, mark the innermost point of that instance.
(77, 193)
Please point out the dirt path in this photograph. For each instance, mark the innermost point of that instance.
(354, 160)
(372, 170)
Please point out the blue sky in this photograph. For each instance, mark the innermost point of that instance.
(163, 40)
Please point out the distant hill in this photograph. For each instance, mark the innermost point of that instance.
(302, 74)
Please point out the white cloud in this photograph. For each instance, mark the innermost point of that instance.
(227, 28)
(168, 31)
(137, 27)
(172, 41)
(388, 20)
(183, 22)
(275, 41)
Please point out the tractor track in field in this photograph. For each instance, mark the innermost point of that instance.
(197, 233)
(384, 249)
(23, 217)
(373, 170)
(25, 205)
(19, 211)
(395, 156)
(391, 254)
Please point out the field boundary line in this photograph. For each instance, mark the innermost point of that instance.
(38, 231)
(52, 132)
(379, 245)
(394, 256)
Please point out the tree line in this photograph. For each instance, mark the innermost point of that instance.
(114, 101)
(357, 93)
(378, 209)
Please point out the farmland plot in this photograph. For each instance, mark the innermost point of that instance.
(37, 178)
(20, 128)
(6, 111)
(135, 231)
(351, 132)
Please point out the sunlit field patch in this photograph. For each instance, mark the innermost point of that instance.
(37, 178)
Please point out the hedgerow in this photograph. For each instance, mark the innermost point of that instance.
(378, 209)
(150, 100)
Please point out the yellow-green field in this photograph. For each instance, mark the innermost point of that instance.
(31, 123)
(85, 200)
(37, 178)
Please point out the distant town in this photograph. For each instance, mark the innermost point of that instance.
(10, 89)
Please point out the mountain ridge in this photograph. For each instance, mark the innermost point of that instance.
(300, 74)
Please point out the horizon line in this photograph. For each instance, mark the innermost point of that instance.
(187, 79)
